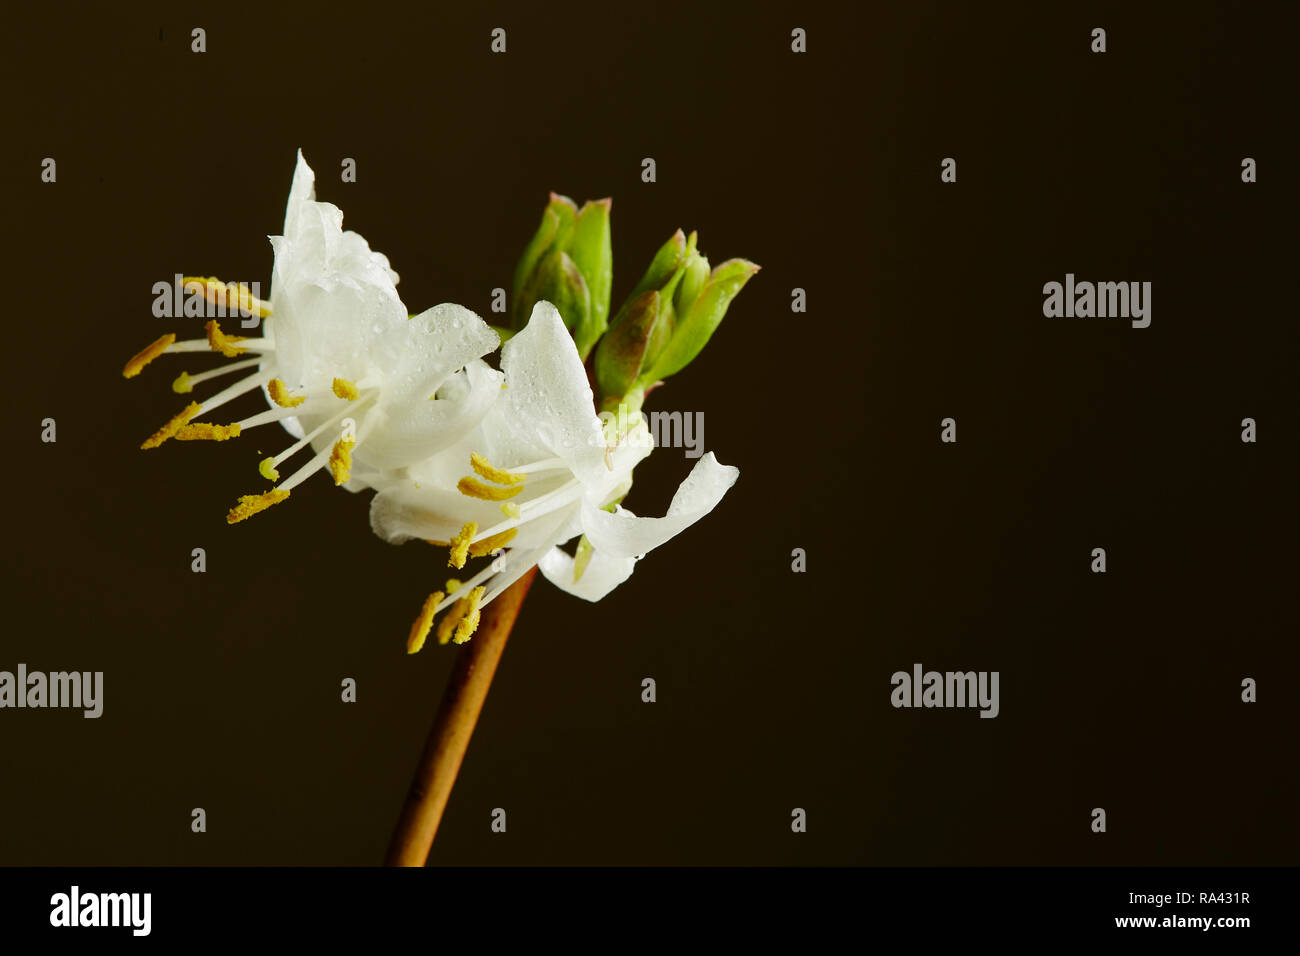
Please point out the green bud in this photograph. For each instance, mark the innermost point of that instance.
(665, 263)
(558, 281)
(693, 279)
(557, 224)
(694, 328)
(592, 253)
(622, 350)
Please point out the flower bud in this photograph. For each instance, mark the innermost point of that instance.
(693, 328)
(569, 263)
(622, 350)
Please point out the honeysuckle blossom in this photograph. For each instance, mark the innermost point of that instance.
(347, 372)
(539, 470)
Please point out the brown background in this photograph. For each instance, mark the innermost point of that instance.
(1120, 691)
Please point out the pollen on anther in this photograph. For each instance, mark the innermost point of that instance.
(345, 389)
(488, 545)
(281, 395)
(202, 431)
(172, 427)
(147, 354)
(460, 545)
(469, 621)
(250, 505)
(221, 293)
(423, 623)
(471, 486)
(341, 460)
(492, 473)
(219, 341)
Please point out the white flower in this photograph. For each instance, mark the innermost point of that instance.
(348, 374)
(545, 471)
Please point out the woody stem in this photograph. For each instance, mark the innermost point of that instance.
(445, 748)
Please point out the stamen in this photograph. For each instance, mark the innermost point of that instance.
(341, 460)
(420, 628)
(202, 431)
(469, 622)
(308, 438)
(492, 473)
(172, 427)
(147, 354)
(471, 486)
(185, 382)
(316, 463)
(460, 545)
(219, 293)
(345, 389)
(246, 384)
(281, 395)
(266, 417)
(488, 545)
(250, 505)
(553, 500)
(259, 344)
(462, 619)
(267, 469)
(221, 342)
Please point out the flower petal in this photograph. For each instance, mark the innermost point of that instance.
(603, 573)
(623, 534)
(548, 395)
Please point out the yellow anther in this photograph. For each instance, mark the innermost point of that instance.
(462, 619)
(182, 385)
(230, 295)
(250, 505)
(147, 354)
(469, 621)
(492, 473)
(341, 460)
(469, 485)
(510, 509)
(488, 545)
(345, 389)
(172, 427)
(219, 341)
(266, 468)
(460, 545)
(202, 431)
(422, 624)
(281, 395)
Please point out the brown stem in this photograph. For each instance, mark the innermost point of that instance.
(443, 751)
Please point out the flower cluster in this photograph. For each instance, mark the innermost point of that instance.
(511, 462)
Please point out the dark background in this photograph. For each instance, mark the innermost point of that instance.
(1119, 691)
